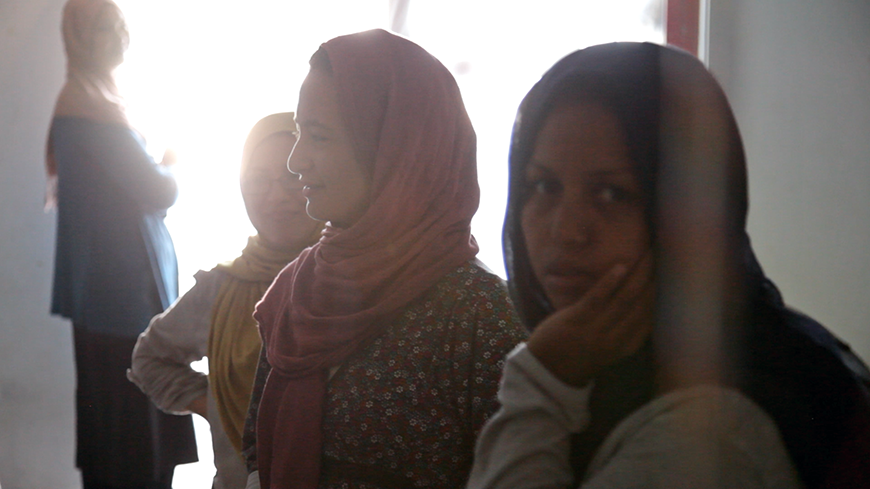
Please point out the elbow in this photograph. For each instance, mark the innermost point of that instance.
(168, 194)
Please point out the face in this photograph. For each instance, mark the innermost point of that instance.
(273, 196)
(584, 208)
(110, 38)
(336, 185)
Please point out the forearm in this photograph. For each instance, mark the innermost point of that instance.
(152, 186)
(199, 406)
(169, 381)
(705, 436)
(162, 356)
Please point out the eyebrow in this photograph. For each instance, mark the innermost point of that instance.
(598, 173)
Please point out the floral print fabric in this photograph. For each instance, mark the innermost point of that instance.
(404, 411)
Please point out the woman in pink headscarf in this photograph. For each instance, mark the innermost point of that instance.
(385, 339)
(114, 260)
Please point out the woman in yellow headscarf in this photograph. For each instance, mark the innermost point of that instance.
(214, 318)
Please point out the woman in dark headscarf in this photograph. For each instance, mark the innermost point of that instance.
(114, 260)
(385, 339)
(661, 355)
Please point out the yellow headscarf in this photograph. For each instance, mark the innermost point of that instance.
(234, 340)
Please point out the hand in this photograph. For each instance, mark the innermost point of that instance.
(199, 406)
(169, 158)
(609, 323)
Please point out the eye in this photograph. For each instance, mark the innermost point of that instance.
(608, 194)
(314, 135)
(613, 194)
(544, 186)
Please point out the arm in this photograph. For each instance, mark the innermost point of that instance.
(527, 443)
(152, 186)
(701, 437)
(705, 436)
(176, 337)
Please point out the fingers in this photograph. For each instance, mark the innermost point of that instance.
(628, 334)
(617, 291)
(609, 323)
(169, 158)
(603, 290)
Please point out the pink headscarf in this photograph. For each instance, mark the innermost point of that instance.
(406, 116)
(90, 91)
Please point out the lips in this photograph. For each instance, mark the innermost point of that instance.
(309, 189)
(566, 283)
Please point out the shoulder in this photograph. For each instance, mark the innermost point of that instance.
(196, 302)
(474, 300)
(62, 127)
(671, 436)
(208, 281)
(77, 140)
(471, 282)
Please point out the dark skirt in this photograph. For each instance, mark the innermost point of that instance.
(122, 439)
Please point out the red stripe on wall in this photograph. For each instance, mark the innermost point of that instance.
(683, 24)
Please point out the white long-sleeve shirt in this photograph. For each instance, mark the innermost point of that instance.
(161, 368)
(702, 437)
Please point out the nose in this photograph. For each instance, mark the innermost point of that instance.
(298, 162)
(573, 223)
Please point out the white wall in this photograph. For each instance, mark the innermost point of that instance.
(797, 73)
(36, 366)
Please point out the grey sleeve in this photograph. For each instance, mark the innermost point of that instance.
(175, 338)
(705, 436)
(526, 444)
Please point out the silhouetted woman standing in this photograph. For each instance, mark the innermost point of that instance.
(114, 261)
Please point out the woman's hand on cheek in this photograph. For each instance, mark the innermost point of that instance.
(609, 323)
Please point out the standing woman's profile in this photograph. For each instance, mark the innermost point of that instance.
(115, 263)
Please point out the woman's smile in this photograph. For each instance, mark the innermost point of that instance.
(334, 182)
(309, 190)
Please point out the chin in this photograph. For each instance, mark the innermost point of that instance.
(314, 213)
(562, 300)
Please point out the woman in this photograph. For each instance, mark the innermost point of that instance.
(661, 356)
(385, 339)
(114, 262)
(215, 319)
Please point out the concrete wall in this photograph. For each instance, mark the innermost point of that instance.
(797, 73)
(36, 365)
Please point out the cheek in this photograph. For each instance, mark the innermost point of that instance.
(255, 212)
(352, 186)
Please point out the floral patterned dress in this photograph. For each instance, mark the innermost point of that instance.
(405, 410)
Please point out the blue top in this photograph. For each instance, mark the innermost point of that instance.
(115, 264)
